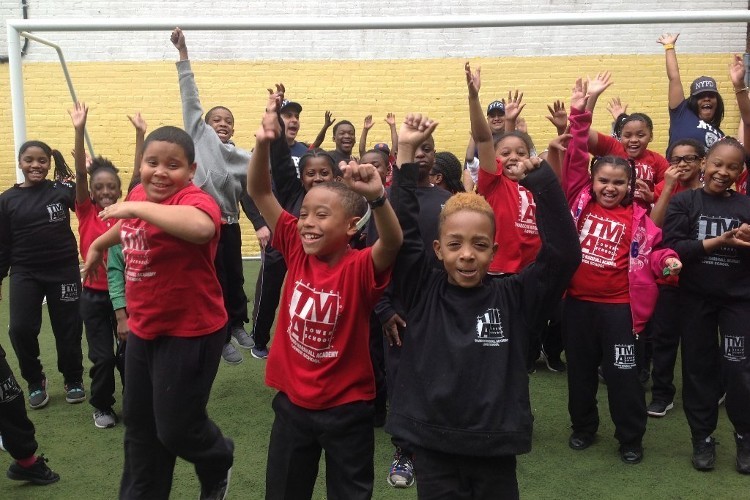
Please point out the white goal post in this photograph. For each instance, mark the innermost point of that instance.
(16, 26)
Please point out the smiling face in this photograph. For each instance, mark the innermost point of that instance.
(222, 121)
(164, 170)
(722, 167)
(707, 103)
(324, 225)
(35, 165)
(466, 247)
(686, 170)
(635, 137)
(291, 124)
(344, 138)
(511, 150)
(316, 170)
(496, 120)
(105, 188)
(610, 185)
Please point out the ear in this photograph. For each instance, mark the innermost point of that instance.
(495, 246)
(351, 229)
(438, 179)
(438, 251)
(192, 168)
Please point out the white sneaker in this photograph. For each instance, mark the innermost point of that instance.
(105, 419)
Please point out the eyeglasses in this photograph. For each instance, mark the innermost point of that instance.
(676, 160)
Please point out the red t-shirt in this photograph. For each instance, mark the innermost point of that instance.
(320, 356)
(90, 227)
(649, 166)
(170, 284)
(515, 221)
(605, 236)
(741, 183)
(659, 189)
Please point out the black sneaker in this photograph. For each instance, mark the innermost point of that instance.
(38, 397)
(580, 440)
(219, 491)
(401, 473)
(659, 408)
(743, 453)
(554, 363)
(704, 454)
(74, 393)
(631, 455)
(38, 473)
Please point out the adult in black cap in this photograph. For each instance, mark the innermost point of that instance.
(699, 116)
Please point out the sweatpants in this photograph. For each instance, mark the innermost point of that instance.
(167, 385)
(602, 334)
(15, 426)
(444, 476)
(228, 263)
(267, 294)
(62, 288)
(299, 435)
(101, 332)
(665, 332)
(705, 359)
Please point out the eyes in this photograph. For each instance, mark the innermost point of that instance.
(456, 245)
(519, 152)
(30, 159)
(326, 174)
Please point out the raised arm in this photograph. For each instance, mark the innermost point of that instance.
(596, 87)
(575, 174)
(140, 134)
(558, 116)
(390, 119)
(513, 108)
(78, 115)
(192, 111)
(676, 92)
(480, 129)
(328, 121)
(363, 136)
(737, 74)
(258, 175)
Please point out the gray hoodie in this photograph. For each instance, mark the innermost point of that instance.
(222, 168)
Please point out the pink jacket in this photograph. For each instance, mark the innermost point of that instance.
(647, 259)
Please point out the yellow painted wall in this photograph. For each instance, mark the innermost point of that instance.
(351, 89)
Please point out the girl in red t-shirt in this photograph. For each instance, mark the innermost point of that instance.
(612, 294)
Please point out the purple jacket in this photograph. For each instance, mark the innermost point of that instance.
(647, 259)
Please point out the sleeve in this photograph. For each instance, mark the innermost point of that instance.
(660, 167)
(544, 281)
(283, 172)
(6, 241)
(488, 183)
(285, 238)
(252, 212)
(204, 202)
(606, 145)
(677, 228)
(192, 112)
(412, 266)
(116, 277)
(575, 171)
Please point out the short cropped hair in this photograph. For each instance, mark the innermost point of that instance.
(173, 135)
(354, 204)
(470, 202)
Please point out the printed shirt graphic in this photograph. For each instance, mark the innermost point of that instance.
(624, 356)
(90, 227)
(515, 221)
(649, 166)
(734, 347)
(320, 356)
(605, 236)
(684, 124)
(712, 226)
(170, 284)
(489, 328)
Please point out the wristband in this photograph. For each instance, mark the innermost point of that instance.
(668, 46)
(379, 201)
(743, 89)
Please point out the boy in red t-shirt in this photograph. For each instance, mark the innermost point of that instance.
(169, 230)
(320, 362)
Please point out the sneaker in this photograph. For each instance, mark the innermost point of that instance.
(230, 354)
(580, 440)
(401, 474)
(704, 454)
(38, 397)
(554, 363)
(259, 352)
(74, 393)
(38, 473)
(219, 491)
(631, 455)
(743, 453)
(242, 338)
(105, 419)
(658, 408)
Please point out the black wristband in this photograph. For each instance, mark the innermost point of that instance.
(378, 202)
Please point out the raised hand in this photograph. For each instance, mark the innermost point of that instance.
(560, 143)
(737, 72)
(270, 128)
(600, 83)
(473, 80)
(178, 39)
(329, 119)
(390, 119)
(138, 122)
(523, 167)
(580, 95)
(363, 179)
(78, 115)
(416, 129)
(616, 107)
(513, 106)
(643, 191)
(368, 122)
(557, 115)
(667, 38)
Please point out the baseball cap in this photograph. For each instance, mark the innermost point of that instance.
(286, 103)
(381, 146)
(496, 105)
(703, 84)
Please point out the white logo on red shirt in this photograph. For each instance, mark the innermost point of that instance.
(526, 211)
(135, 249)
(600, 238)
(312, 321)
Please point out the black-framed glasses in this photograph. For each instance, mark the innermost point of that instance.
(675, 160)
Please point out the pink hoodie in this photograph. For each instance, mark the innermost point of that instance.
(647, 260)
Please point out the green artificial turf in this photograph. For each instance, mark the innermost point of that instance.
(89, 460)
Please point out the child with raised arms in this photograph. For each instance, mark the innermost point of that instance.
(613, 293)
(37, 245)
(464, 331)
(320, 362)
(169, 229)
